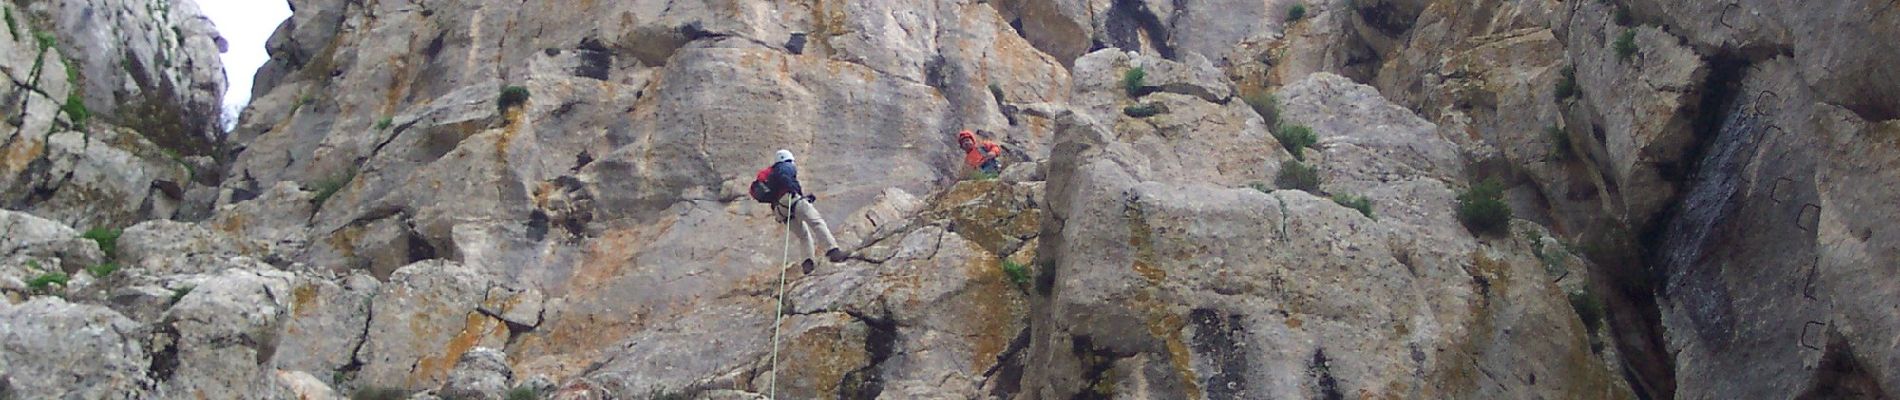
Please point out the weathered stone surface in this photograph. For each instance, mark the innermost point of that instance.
(325, 324)
(221, 338)
(422, 321)
(53, 246)
(1364, 138)
(56, 349)
(481, 373)
(302, 386)
(172, 248)
(153, 67)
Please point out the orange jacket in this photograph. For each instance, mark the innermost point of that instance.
(983, 150)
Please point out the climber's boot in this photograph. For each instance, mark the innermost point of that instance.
(808, 266)
(836, 255)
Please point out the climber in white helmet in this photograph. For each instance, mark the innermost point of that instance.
(778, 185)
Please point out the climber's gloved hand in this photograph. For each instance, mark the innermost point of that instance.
(811, 198)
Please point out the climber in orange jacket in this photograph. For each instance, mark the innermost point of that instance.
(979, 154)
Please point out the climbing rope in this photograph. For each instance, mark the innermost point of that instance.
(779, 314)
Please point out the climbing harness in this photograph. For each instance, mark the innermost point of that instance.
(778, 315)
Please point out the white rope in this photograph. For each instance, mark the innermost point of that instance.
(779, 314)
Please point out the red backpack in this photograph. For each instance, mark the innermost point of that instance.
(761, 190)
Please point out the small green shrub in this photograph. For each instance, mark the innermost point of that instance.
(384, 123)
(1296, 138)
(307, 99)
(1134, 80)
(1482, 208)
(1265, 105)
(1589, 308)
(379, 393)
(1142, 110)
(1626, 44)
(107, 238)
(524, 392)
(512, 96)
(329, 186)
(997, 92)
(103, 269)
(33, 265)
(1261, 187)
(46, 40)
(1361, 203)
(41, 282)
(1017, 273)
(1567, 85)
(981, 175)
(12, 27)
(1560, 147)
(1623, 17)
(179, 294)
(75, 108)
(1298, 176)
(1295, 13)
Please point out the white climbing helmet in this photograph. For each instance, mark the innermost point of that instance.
(784, 155)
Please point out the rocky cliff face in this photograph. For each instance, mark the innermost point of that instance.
(1204, 199)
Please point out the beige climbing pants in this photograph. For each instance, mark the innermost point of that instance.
(806, 222)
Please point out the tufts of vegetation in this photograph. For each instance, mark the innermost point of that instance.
(45, 280)
(1589, 308)
(12, 27)
(307, 99)
(1560, 147)
(1361, 203)
(1142, 110)
(379, 393)
(75, 108)
(103, 270)
(1298, 176)
(1567, 86)
(1261, 187)
(1482, 208)
(981, 175)
(1297, 12)
(524, 392)
(997, 92)
(1134, 81)
(1296, 138)
(107, 238)
(46, 40)
(327, 187)
(1017, 273)
(179, 294)
(1623, 17)
(1264, 104)
(1626, 44)
(383, 124)
(512, 96)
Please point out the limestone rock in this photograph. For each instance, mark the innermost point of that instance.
(57, 349)
(422, 321)
(1364, 138)
(325, 323)
(222, 337)
(150, 67)
(169, 247)
(481, 373)
(50, 244)
(302, 386)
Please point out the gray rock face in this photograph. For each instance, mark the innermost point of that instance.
(325, 324)
(482, 373)
(172, 248)
(55, 349)
(51, 245)
(421, 323)
(1221, 308)
(151, 67)
(220, 339)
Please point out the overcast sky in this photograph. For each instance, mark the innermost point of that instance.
(246, 25)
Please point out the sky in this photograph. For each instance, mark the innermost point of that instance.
(246, 25)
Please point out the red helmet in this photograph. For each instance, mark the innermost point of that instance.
(966, 135)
